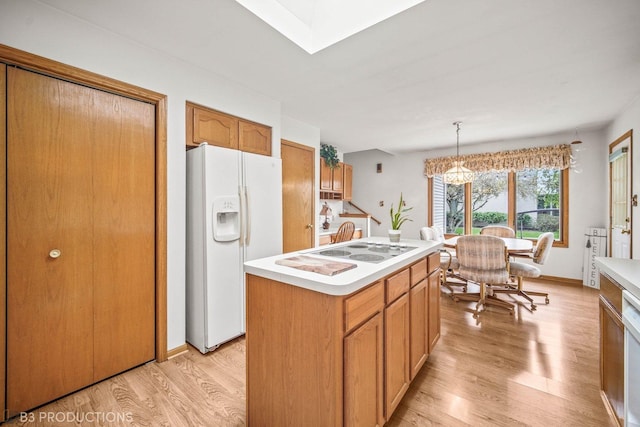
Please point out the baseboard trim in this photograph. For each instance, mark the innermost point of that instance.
(177, 351)
(556, 279)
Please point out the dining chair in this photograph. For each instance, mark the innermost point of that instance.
(485, 261)
(498, 231)
(522, 270)
(345, 232)
(448, 261)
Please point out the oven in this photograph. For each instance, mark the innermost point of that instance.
(631, 320)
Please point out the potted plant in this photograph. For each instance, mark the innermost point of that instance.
(398, 218)
(330, 155)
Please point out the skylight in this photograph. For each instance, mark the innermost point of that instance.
(316, 24)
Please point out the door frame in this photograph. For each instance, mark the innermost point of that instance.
(38, 64)
(628, 135)
(312, 151)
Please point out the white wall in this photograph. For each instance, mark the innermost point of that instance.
(404, 173)
(39, 29)
(629, 119)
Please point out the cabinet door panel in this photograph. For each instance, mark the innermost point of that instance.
(326, 176)
(433, 309)
(215, 128)
(363, 382)
(254, 138)
(397, 372)
(338, 178)
(347, 177)
(419, 343)
(612, 357)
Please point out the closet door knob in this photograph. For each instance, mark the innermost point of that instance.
(55, 253)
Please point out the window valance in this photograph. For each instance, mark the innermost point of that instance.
(550, 157)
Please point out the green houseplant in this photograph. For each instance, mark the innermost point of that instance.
(330, 155)
(398, 217)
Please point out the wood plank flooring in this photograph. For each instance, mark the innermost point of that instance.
(529, 369)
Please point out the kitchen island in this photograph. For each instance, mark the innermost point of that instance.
(341, 349)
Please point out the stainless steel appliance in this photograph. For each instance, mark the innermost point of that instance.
(631, 320)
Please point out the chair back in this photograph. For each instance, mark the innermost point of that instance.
(498, 231)
(438, 234)
(426, 233)
(345, 232)
(483, 259)
(543, 247)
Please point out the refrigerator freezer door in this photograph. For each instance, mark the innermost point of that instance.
(224, 311)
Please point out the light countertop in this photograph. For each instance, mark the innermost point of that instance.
(624, 271)
(343, 283)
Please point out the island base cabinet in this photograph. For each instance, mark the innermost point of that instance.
(433, 310)
(419, 325)
(363, 382)
(327, 360)
(294, 345)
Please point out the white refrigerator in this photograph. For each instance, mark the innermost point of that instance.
(234, 214)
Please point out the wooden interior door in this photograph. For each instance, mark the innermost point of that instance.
(80, 237)
(297, 196)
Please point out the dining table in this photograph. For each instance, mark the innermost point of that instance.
(514, 245)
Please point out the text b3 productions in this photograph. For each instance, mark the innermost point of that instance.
(76, 417)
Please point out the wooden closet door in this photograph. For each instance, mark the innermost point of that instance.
(123, 216)
(49, 300)
(69, 190)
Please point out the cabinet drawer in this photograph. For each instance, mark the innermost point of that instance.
(397, 285)
(363, 305)
(418, 272)
(433, 261)
(611, 291)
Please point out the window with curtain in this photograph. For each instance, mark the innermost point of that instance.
(527, 192)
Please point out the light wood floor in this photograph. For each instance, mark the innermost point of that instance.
(535, 369)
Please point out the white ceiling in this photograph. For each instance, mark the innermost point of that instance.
(505, 68)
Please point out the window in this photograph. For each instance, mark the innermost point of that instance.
(531, 201)
(489, 200)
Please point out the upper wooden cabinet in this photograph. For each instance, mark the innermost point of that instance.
(335, 184)
(254, 138)
(347, 178)
(224, 130)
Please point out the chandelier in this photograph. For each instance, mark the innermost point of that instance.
(458, 174)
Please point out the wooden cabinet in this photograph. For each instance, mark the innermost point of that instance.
(397, 340)
(363, 359)
(397, 370)
(336, 183)
(254, 138)
(419, 299)
(224, 130)
(419, 325)
(612, 347)
(347, 181)
(433, 294)
(335, 360)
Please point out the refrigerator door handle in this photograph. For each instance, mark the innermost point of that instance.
(247, 236)
(243, 210)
